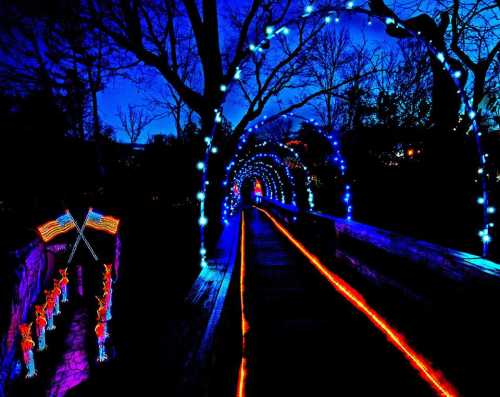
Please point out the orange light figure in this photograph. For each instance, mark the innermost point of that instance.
(27, 345)
(430, 375)
(63, 283)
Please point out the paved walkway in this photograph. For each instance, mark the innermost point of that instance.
(307, 340)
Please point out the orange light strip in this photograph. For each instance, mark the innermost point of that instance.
(434, 378)
(242, 373)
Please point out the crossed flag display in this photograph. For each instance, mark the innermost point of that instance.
(50, 230)
(45, 313)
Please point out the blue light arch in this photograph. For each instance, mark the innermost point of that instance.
(332, 14)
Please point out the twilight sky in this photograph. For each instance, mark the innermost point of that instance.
(120, 92)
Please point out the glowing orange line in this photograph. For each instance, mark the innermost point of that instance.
(430, 375)
(242, 373)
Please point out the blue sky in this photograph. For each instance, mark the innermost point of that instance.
(121, 92)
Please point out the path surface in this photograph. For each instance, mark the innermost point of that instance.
(306, 339)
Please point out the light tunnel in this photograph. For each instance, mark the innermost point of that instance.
(270, 171)
(280, 168)
(329, 14)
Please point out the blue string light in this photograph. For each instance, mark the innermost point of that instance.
(310, 11)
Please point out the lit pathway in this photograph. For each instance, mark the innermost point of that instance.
(306, 338)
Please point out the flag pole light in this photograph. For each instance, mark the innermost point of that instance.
(389, 19)
(80, 236)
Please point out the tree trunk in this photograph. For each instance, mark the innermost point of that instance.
(479, 82)
(96, 125)
(445, 100)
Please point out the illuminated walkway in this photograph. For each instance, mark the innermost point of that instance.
(305, 338)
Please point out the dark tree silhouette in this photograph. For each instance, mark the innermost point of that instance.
(133, 122)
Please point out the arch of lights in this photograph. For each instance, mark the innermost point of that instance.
(262, 171)
(263, 155)
(278, 191)
(274, 183)
(255, 166)
(292, 152)
(332, 14)
(338, 160)
(256, 173)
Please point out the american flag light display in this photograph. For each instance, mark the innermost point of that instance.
(52, 229)
(105, 223)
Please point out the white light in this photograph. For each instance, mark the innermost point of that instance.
(440, 57)
(337, 19)
(480, 200)
(200, 196)
(350, 4)
(486, 239)
(269, 30)
(480, 171)
(200, 165)
(457, 74)
(328, 19)
(309, 9)
(202, 221)
(237, 74)
(207, 140)
(252, 47)
(214, 150)
(472, 114)
(218, 117)
(491, 210)
(223, 87)
(203, 251)
(390, 21)
(285, 30)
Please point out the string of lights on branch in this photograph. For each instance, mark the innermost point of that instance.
(332, 14)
